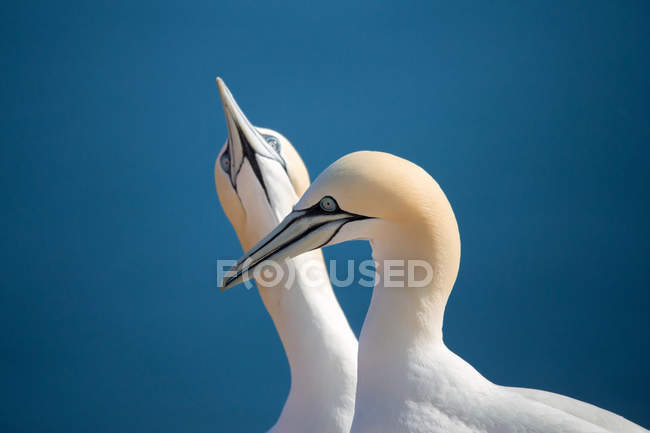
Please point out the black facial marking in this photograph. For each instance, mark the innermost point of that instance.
(312, 211)
(317, 209)
(249, 154)
(338, 229)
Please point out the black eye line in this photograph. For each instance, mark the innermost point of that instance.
(338, 229)
(250, 155)
(311, 211)
(317, 210)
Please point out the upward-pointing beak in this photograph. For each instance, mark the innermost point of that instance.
(301, 231)
(244, 141)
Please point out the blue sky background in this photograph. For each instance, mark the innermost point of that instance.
(533, 116)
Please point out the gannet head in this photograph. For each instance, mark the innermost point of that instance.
(258, 174)
(366, 195)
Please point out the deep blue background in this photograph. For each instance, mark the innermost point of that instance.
(534, 119)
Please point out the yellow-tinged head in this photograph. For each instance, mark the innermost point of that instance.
(367, 195)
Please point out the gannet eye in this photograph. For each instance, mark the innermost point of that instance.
(328, 204)
(273, 141)
(225, 162)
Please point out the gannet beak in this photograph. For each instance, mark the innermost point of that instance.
(301, 231)
(244, 141)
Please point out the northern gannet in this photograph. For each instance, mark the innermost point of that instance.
(408, 380)
(259, 177)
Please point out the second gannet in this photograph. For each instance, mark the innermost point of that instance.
(408, 380)
(259, 177)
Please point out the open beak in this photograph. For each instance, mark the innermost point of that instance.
(301, 231)
(244, 141)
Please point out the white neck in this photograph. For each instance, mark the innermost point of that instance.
(320, 347)
(403, 362)
(319, 344)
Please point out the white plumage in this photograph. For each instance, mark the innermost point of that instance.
(259, 177)
(408, 380)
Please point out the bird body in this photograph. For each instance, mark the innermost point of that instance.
(408, 380)
(593, 414)
(259, 177)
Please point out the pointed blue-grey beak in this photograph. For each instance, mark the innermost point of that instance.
(244, 141)
(301, 231)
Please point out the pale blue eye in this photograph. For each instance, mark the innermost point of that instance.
(225, 162)
(273, 142)
(328, 204)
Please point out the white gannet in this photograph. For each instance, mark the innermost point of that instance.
(408, 380)
(259, 177)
